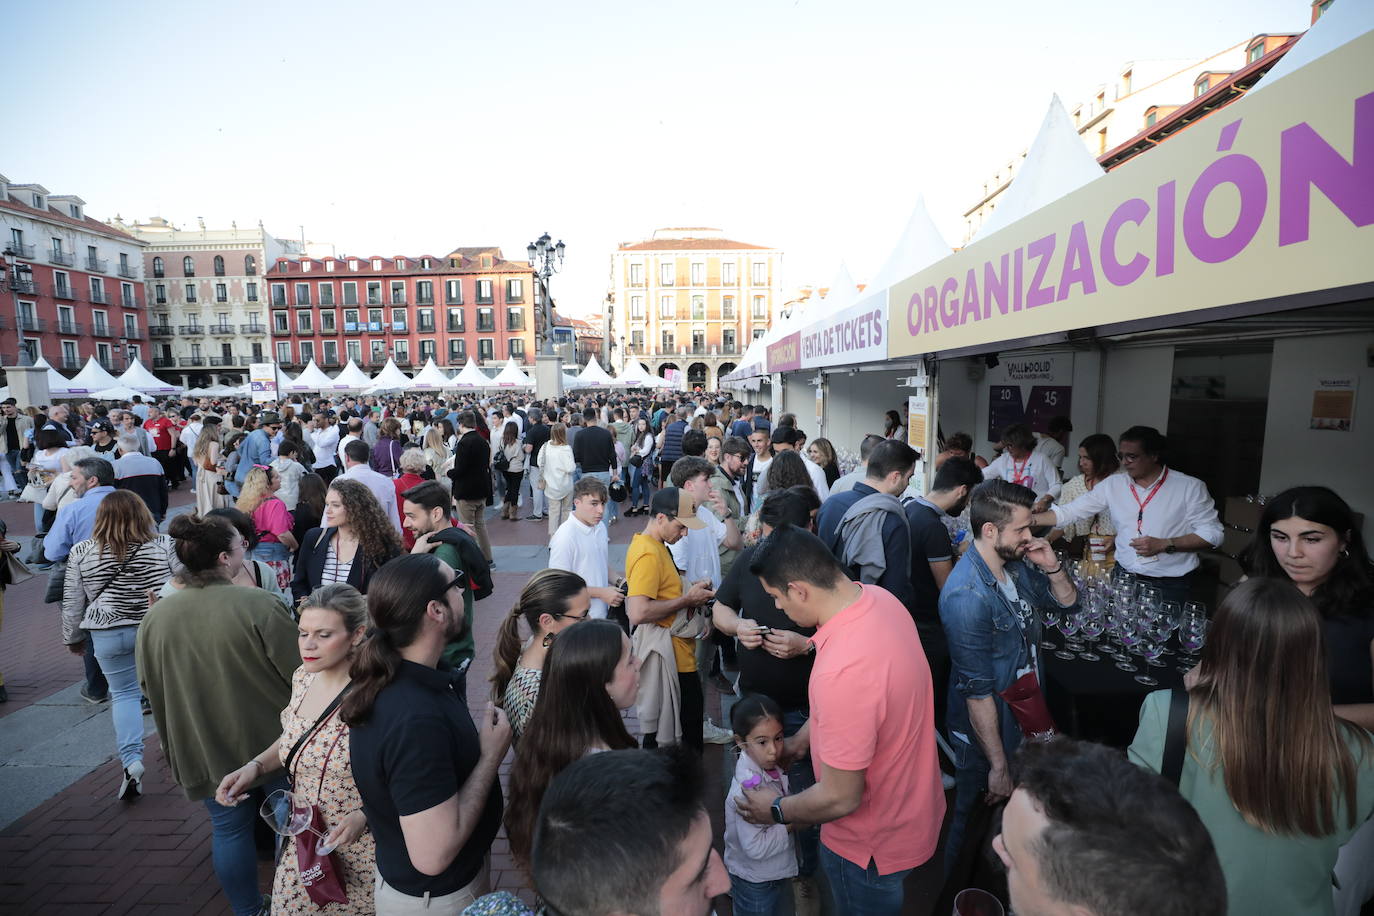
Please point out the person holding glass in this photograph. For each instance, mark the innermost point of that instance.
(1279, 780)
(1095, 536)
(314, 745)
(215, 661)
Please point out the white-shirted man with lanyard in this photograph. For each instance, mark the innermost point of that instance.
(1021, 464)
(1163, 517)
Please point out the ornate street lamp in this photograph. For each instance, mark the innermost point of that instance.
(547, 259)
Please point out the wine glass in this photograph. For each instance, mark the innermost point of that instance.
(1149, 646)
(1128, 634)
(288, 815)
(1091, 625)
(1170, 615)
(1069, 626)
(1049, 617)
(1192, 634)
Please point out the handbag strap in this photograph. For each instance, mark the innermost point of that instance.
(117, 573)
(309, 732)
(1176, 737)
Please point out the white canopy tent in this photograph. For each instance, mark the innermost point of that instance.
(141, 380)
(430, 378)
(920, 246)
(57, 382)
(350, 376)
(312, 378)
(91, 378)
(593, 376)
(390, 378)
(510, 376)
(117, 393)
(470, 377)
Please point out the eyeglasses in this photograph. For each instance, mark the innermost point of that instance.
(1127, 457)
(455, 582)
(583, 616)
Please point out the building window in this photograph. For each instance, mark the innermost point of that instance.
(221, 292)
(188, 267)
(455, 320)
(667, 307)
(698, 341)
(426, 350)
(727, 308)
(727, 340)
(665, 274)
(353, 264)
(727, 273)
(1126, 83)
(327, 322)
(760, 307)
(400, 263)
(515, 319)
(486, 349)
(100, 324)
(515, 291)
(398, 319)
(517, 348)
(376, 263)
(759, 332)
(457, 351)
(160, 293)
(158, 270)
(326, 294)
(484, 292)
(374, 319)
(424, 319)
(304, 323)
(636, 306)
(1102, 141)
(666, 342)
(1151, 118)
(374, 293)
(453, 292)
(284, 352)
(1255, 53)
(126, 296)
(486, 319)
(329, 266)
(353, 349)
(250, 266)
(426, 264)
(698, 308)
(219, 266)
(759, 273)
(307, 350)
(350, 293)
(424, 292)
(130, 326)
(306, 265)
(636, 274)
(1201, 86)
(398, 292)
(279, 294)
(280, 322)
(636, 341)
(60, 285)
(69, 357)
(302, 293)
(698, 273)
(330, 349)
(190, 292)
(377, 356)
(252, 292)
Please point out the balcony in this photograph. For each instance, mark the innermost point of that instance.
(101, 330)
(71, 362)
(456, 327)
(329, 362)
(279, 302)
(127, 271)
(329, 332)
(281, 332)
(110, 363)
(60, 257)
(17, 250)
(228, 360)
(222, 330)
(485, 300)
(517, 325)
(164, 362)
(63, 292)
(96, 265)
(398, 327)
(486, 327)
(27, 287)
(398, 298)
(134, 333)
(68, 327)
(355, 330)
(402, 359)
(190, 361)
(425, 327)
(305, 332)
(453, 300)
(424, 300)
(191, 330)
(160, 330)
(256, 330)
(129, 302)
(377, 359)
(457, 359)
(98, 297)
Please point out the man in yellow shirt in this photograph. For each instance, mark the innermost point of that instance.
(656, 597)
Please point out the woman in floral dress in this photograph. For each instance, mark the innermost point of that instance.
(333, 621)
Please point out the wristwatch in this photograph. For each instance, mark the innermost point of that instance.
(1170, 548)
(776, 808)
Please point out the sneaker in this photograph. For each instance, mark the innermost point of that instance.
(131, 786)
(92, 698)
(535, 518)
(712, 733)
(146, 706)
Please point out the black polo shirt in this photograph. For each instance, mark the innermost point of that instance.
(783, 679)
(416, 751)
(535, 437)
(929, 542)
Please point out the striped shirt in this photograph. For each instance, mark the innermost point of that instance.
(101, 593)
(334, 571)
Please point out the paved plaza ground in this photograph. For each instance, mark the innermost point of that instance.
(68, 846)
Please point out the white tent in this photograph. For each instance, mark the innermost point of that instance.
(634, 375)
(593, 376)
(920, 246)
(511, 377)
(350, 376)
(1056, 164)
(390, 379)
(470, 377)
(312, 378)
(141, 380)
(57, 382)
(91, 378)
(431, 378)
(117, 393)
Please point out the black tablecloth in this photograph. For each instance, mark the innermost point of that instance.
(1097, 700)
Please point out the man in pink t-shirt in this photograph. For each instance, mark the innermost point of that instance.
(872, 729)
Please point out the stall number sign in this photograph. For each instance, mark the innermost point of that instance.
(1006, 407)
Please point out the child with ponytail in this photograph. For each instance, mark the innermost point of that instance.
(551, 601)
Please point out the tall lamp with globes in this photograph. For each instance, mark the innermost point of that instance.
(546, 258)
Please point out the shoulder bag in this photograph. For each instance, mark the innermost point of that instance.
(1176, 737)
(321, 875)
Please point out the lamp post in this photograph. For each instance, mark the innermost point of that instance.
(547, 259)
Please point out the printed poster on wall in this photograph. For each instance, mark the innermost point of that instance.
(262, 379)
(1032, 390)
(1333, 404)
(917, 428)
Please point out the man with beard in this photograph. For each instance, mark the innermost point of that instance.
(988, 607)
(426, 510)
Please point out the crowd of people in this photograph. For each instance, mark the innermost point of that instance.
(303, 640)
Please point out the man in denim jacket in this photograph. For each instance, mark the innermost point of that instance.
(988, 610)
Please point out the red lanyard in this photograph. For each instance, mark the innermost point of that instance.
(1140, 516)
(1020, 472)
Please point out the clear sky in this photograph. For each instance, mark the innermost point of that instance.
(419, 126)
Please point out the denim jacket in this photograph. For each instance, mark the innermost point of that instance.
(986, 643)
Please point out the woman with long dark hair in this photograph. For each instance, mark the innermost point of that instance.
(1280, 781)
(1096, 462)
(788, 470)
(550, 602)
(892, 426)
(641, 480)
(426, 773)
(509, 447)
(310, 492)
(589, 676)
(355, 540)
(386, 454)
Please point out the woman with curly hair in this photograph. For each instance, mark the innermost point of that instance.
(787, 470)
(355, 538)
(271, 521)
(386, 454)
(590, 674)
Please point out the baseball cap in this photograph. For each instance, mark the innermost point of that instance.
(678, 504)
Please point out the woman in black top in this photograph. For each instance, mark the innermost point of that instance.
(355, 540)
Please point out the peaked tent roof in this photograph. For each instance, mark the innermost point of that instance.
(312, 378)
(510, 376)
(350, 376)
(430, 377)
(920, 246)
(140, 379)
(840, 293)
(57, 382)
(470, 377)
(117, 393)
(593, 375)
(1340, 24)
(634, 375)
(390, 378)
(92, 378)
(1056, 164)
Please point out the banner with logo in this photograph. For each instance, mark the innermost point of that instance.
(262, 380)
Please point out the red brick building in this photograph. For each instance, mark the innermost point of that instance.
(470, 303)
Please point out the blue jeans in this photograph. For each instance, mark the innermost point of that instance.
(114, 650)
(611, 505)
(232, 849)
(641, 483)
(800, 777)
(862, 891)
(755, 898)
(96, 684)
(970, 782)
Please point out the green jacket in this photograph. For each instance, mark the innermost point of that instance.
(722, 483)
(625, 433)
(461, 649)
(215, 663)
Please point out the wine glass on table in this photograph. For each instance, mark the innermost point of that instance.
(1192, 633)
(1149, 647)
(1091, 625)
(1128, 634)
(1049, 617)
(289, 815)
(1069, 626)
(1170, 614)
